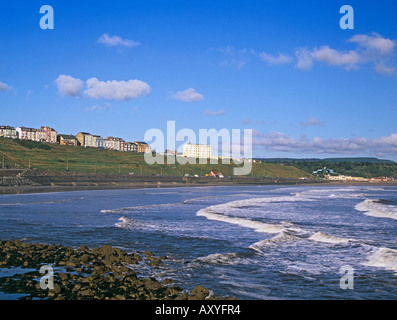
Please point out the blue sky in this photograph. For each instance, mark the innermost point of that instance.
(285, 69)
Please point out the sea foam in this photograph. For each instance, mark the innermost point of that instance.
(374, 208)
(384, 258)
(322, 237)
(247, 223)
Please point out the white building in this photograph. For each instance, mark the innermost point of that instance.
(45, 134)
(8, 132)
(200, 151)
(26, 133)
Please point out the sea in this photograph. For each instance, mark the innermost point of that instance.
(248, 242)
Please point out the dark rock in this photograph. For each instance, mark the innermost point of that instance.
(199, 293)
(105, 250)
(148, 253)
(153, 285)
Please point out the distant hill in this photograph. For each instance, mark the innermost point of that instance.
(332, 160)
(54, 157)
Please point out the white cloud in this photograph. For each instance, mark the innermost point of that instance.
(325, 54)
(188, 95)
(272, 60)
(311, 122)
(116, 90)
(277, 141)
(210, 112)
(374, 42)
(305, 60)
(116, 41)
(371, 49)
(69, 86)
(382, 68)
(4, 87)
(96, 89)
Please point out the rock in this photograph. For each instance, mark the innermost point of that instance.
(172, 291)
(57, 289)
(148, 253)
(105, 250)
(154, 262)
(153, 285)
(199, 293)
(63, 276)
(85, 258)
(84, 248)
(86, 293)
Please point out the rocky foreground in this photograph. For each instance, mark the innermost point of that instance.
(102, 273)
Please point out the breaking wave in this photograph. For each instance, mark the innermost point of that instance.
(322, 237)
(256, 225)
(222, 259)
(281, 238)
(377, 208)
(383, 258)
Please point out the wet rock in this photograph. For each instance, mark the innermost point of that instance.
(148, 254)
(199, 293)
(154, 262)
(105, 250)
(102, 274)
(153, 285)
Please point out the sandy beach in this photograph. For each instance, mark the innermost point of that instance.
(151, 184)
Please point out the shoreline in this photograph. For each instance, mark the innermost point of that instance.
(11, 190)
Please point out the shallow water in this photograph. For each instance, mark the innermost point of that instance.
(258, 242)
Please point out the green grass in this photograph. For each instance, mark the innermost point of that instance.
(53, 157)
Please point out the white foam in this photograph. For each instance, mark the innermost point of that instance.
(127, 224)
(375, 209)
(139, 207)
(247, 223)
(322, 237)
(221, 258)
(383, 258)
(281, 238)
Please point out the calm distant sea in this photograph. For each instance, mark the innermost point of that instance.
(258, 242)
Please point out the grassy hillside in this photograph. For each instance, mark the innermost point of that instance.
(43, 156)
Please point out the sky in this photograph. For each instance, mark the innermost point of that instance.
(285, 69)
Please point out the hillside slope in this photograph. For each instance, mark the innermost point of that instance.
(43, 156)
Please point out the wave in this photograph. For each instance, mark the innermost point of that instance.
(281, 238)
(127, 224)
(322, 237)
(384, 258)
(256, 225)
(140, 207)
(222, 259)
(330, 193)
(377, 208)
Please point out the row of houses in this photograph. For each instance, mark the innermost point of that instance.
(88, 140)
(350, 178)
(84, 139)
